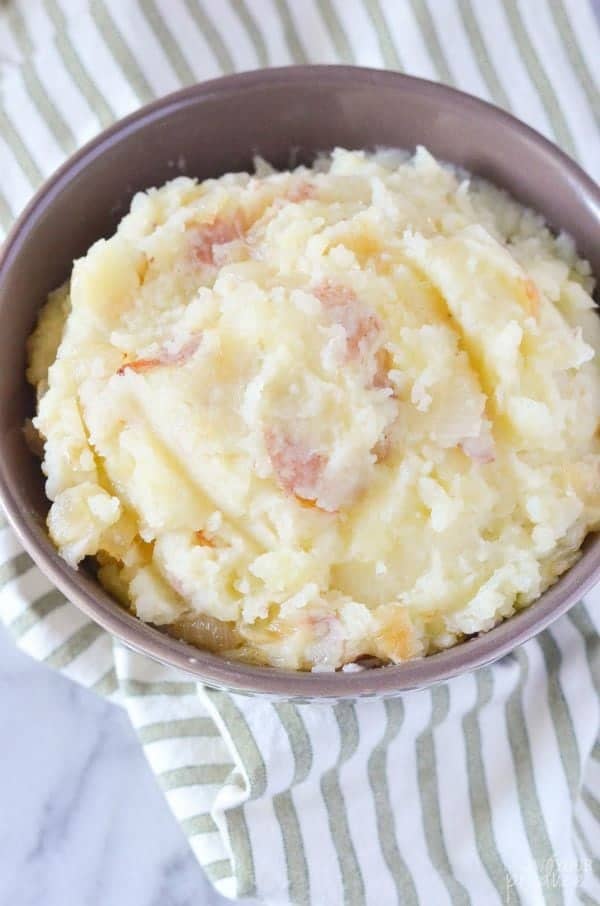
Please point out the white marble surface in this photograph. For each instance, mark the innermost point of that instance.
(82, 821)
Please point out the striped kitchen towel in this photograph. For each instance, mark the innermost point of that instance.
(485, 790)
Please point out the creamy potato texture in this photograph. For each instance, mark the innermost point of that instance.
(309, 416)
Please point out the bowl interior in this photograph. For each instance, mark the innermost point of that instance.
(287, 116)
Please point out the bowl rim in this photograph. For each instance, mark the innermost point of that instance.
(214, 669)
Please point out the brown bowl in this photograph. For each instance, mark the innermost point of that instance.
(287, 115)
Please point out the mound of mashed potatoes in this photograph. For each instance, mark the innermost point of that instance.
(303, 418)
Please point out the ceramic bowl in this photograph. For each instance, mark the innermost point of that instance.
(286, 115)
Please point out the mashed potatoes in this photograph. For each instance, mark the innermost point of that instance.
(305, 417)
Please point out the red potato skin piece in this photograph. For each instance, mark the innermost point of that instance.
(204, 237)
(361, 327)
(344, 308)
(298, 470)
(304, 191)
(140, 366)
